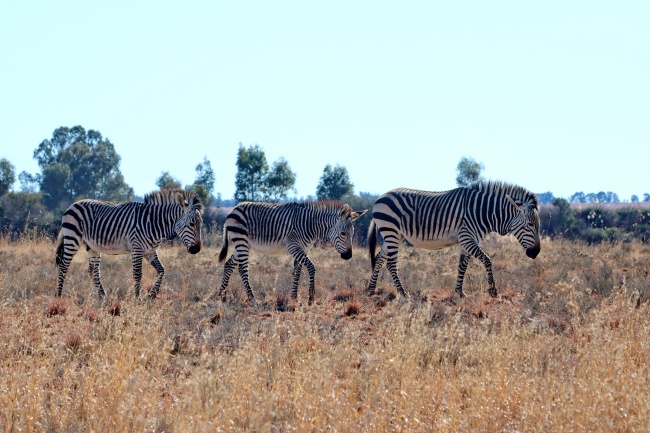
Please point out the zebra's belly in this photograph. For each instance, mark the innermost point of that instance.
(117, 248)
(272, 248)
(432, 244)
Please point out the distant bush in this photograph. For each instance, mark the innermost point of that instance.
(595, 224)
(361, 202)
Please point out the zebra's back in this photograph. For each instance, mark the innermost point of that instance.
(427, 219)
(266, 225)
(105, 227)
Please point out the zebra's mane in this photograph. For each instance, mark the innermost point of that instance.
(168, 196)
(518, 193)
(324, 204)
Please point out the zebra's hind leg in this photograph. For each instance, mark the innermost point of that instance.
(462, 267)
(392, 267)
(243, 273)
(380, 259)
(63, 259)
(94, 260)
(160, 269)
(228, 268)
(297, 268)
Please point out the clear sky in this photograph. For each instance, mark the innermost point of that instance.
(551, 95)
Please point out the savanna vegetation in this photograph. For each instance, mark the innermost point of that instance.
(564, 348)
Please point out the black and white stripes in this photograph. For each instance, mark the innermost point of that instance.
(270, 227)
(463, 216)
(136, 228)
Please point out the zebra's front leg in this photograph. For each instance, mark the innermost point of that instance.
(487, 262)
(136, 258)
(301, 258)
(94, 260)
(473, 249)
(462, 267)
(228, 268)
(297, 268)
(160, 269)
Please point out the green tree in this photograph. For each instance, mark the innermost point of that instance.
(166, 180)
(334, 183)
(7, 176)
(76, 163)
(29, 182)
(53, 175)
(279, 181)
(468, 171)
(204, 183)
(251, 173)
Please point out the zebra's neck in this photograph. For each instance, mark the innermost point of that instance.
(162, 218)
(490, 209)
(317, 221)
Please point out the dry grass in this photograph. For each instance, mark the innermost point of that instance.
(564, 348)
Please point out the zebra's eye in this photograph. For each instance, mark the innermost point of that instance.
(344, 234)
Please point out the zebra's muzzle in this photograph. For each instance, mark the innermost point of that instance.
(532, 252)
(346, 255)
(194, 249)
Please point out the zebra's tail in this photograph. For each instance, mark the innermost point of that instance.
(224, 248)
(372, 242)
(59, 248)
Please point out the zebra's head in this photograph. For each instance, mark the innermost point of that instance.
(188, 226)
(340, 235)
(525, 225)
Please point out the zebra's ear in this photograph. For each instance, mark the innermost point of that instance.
(357, 214)
(196, 204)
(344, 212)
(514, 203)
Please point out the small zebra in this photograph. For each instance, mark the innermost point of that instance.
(463, 216)
(136, 228)
(272, 228)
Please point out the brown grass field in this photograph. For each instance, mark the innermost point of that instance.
(565, 347)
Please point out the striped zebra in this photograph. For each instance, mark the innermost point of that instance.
(136, 228)
(463, 216)
(272, 228)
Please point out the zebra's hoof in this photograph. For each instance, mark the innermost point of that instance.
(493, 292)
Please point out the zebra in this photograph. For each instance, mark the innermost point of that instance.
(435, 220)
(272, 228)
(136, 228)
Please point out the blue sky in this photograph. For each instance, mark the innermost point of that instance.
(553, 95)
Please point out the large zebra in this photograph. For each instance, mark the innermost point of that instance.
(463, 216)
(136, 228)
(273, 228)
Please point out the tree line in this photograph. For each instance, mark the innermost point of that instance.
(76, 163)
